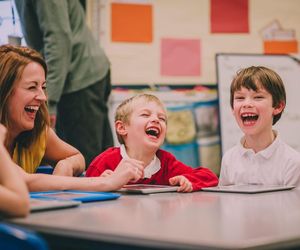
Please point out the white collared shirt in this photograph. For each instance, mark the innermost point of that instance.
(149, 170)
(278, 164)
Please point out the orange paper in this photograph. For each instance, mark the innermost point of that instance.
(280, 47)
(131, 22)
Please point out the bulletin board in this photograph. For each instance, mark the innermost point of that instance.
(175, 42)
(287, 67)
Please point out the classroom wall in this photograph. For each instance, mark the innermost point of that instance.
(139, 63)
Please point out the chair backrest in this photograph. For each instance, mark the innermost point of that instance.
(44, 170)
(14, 238)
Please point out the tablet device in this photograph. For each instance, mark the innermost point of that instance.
(74, 195)
(37, 205)
(147, 189)
(248, 189)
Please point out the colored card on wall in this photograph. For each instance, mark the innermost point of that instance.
(280, 47)
(229, 16)
(131, 22)
(180, 57)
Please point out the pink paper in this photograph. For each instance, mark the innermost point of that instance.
(180, 57)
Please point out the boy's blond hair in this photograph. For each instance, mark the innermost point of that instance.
(125, 109)
(256, 77)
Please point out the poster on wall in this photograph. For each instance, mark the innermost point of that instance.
(229, 16)
(131, 22)
(180, 57)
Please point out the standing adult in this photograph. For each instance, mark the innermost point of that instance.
(78, 78)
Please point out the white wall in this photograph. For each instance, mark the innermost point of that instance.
(136, 63)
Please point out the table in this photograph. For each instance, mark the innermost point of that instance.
(199, 220)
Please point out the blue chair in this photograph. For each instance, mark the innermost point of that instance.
(14, 238)
(44, 170)
(49, 169)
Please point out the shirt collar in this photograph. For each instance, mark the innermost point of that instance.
(153, 167)
(266, 153)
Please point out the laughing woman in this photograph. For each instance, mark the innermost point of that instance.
(30, 140)
(23, 111)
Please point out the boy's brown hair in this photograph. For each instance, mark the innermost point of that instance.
(256, 77)
(125, 109)
(13, 60)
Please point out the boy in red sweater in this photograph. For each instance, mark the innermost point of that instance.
(141, 124)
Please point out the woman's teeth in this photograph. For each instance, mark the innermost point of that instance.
(31, 109)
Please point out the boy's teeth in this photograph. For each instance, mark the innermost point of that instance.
(249, 117)
(245, 115)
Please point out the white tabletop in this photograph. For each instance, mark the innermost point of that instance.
(181, 221)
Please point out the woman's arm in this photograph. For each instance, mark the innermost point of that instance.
(68, 160)
(14, 198)
(124, 173)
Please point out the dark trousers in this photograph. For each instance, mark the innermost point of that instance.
(82, 119)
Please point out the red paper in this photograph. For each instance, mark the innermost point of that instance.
(229, 16)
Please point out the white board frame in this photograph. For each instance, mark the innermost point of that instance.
(288, 67)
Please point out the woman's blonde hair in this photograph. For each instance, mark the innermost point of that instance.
(13, 60)
(125, 109)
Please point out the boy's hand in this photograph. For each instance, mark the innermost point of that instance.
(184, 184)
(106, 173)
(131, 168)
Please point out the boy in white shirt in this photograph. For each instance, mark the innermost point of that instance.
(258, 98)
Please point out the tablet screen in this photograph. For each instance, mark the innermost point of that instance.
(148, 188)
(83, 196)
(65, 195)
(250, 189)
(145, 186)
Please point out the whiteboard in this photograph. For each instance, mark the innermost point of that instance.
(289, 70)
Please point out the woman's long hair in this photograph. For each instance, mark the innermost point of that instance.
(13, 60)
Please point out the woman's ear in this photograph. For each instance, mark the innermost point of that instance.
(120, 128)
(277, 110)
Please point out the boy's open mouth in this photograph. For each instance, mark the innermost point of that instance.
(153, 132)
(247, 117)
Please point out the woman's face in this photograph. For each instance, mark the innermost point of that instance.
(26, 98)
